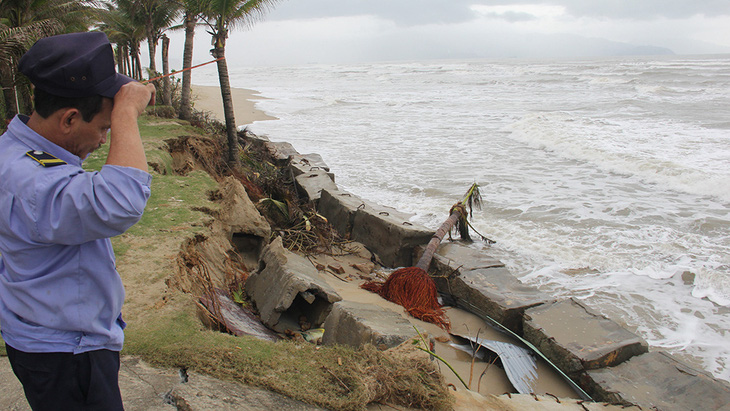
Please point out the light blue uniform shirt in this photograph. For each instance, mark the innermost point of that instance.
(59, 288)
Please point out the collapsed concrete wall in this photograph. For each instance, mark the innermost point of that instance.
(384, 230)
(604, 361)
(287, 287)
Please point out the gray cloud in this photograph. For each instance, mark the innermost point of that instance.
(416, 12)
(402, 12)
(646, 9)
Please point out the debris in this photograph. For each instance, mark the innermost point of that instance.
(365, 268)
(519, 365)
(314, 335)
(336, 267)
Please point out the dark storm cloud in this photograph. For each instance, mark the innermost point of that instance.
(415, 12)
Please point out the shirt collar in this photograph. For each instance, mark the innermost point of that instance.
(35, 141)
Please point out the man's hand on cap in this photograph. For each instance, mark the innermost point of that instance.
(135, 95)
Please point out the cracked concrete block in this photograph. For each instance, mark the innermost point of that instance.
(457, 255)
(286, 287)
(281, 151)
(389, 234)
(356, 324)
(576, 339)
(657, 380)
(312, 183)
(339, 208)
(491, 291)
(305, 163)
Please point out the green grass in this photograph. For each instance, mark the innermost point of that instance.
(335, 377)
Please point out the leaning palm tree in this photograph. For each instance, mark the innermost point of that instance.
(220, 18)
(412, 287)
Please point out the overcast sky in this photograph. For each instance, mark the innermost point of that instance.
(344, 31)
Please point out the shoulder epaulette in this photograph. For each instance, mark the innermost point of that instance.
(45, 159)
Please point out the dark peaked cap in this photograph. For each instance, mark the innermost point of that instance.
(73, 65)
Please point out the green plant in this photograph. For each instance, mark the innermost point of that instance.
(421, 340)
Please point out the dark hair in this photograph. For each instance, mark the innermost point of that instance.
(47, 104)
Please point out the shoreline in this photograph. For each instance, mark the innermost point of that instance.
(495, 382)
(208, 99)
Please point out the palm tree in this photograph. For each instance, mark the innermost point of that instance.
(24, 22)
(222, 16)
(157, 15)
(412, 287)
(193, 10)
(14, 42)
(123, 31)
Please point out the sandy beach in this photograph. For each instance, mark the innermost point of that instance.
(208, 98)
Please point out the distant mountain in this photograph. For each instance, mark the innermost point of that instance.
(569, 45)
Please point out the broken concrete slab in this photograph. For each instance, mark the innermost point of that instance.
(656, 380)
(575, 338)
(457, 255)
(339, 208)
(389, 234)
(383, 230)
(305, 163)
(151, 389)
(473, 280)
(492, 292)
(280, 151)
(312, 183)
(356, 324)
(286, 287)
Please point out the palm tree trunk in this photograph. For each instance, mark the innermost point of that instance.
(8, 85)
(11, 108)
(136, 61)
(24, 95)
(166, 86)
(152, 48)
(185, 106)
(445, 227)
(219, 52)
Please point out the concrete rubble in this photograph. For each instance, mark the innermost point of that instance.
(482, 285)
(287, 287)
(357, 324)
(577, 339)
(385, 231)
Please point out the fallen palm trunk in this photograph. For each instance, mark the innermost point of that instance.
(412, 287)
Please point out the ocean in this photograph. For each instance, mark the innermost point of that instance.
(605, 180)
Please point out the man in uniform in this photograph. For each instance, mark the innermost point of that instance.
(60, 294)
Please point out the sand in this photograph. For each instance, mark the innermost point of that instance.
(208, 98)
